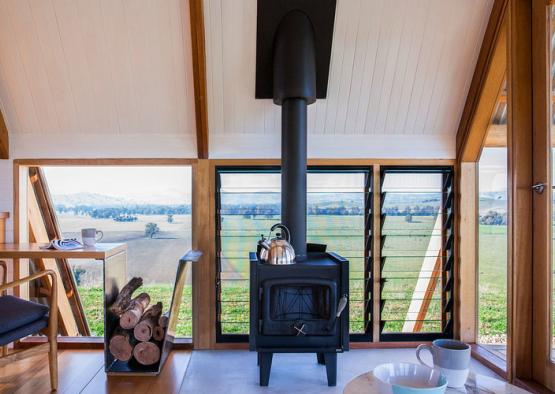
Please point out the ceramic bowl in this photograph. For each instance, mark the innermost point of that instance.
(407, 378)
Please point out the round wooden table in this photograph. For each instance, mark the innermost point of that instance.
(366, 384)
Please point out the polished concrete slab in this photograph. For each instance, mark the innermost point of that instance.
(235, 371)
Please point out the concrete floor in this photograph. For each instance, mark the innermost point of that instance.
(235, 371)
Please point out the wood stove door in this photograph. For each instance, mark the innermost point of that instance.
(298, 307)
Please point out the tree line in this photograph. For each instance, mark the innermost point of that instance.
(248, 210)
(493, 218)
(124, 212)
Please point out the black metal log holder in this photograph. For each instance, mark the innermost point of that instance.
(115, 277)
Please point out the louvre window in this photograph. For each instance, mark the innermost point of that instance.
(249, 202)
(416, 253)
(416, 258)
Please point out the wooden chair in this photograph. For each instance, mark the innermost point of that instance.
(20, 318)
(4, 279)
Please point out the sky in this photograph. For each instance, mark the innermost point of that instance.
(172, 184)
(156, 185)
(493, 170)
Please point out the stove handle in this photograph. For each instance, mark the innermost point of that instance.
(342, 304)
(340, 307)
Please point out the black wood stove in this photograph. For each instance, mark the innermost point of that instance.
(301, 307)
(297, 309)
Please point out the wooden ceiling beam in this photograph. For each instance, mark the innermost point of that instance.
(485, 87)
(4, 139)
(199, 76)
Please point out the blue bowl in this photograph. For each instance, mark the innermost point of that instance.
(408, 378)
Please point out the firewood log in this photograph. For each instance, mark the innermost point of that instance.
(120, 345)
(145, 328)
(164, 320)
(158, 333)
(134, 311)
(146, 353)
(124, 297)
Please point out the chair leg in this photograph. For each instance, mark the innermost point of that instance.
(53, 359)
(4, 351)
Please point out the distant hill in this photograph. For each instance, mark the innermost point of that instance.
(89, 199)
(495, 201)
(492, 201)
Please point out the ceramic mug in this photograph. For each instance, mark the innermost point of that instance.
(90, 236)
(451, 357)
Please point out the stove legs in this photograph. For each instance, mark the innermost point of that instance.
(265, 363)
(329, 359)
(331, 368)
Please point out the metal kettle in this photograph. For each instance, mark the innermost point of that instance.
(278, 250)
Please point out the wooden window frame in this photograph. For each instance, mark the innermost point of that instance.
(529, 215)
(485, 89)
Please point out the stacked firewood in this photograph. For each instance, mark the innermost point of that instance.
(142, 326)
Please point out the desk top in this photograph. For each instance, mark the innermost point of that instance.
(33, 251)
(366, 384)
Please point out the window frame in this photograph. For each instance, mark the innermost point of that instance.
(21, 169)
(366, 336)
(449, 236)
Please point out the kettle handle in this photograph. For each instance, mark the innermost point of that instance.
(284, 228)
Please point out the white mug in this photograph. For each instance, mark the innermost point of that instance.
(90, 236)
(451, 357)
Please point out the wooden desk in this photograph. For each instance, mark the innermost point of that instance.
(34, 251)
(72, 318)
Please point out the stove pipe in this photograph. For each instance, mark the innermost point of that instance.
(294, 88)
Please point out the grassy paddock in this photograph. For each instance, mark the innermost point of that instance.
(92, 299)
(492, 293)
(340, 233)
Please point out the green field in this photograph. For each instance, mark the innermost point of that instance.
(405, 243)
(404, 246)
(492, 294)
(92, 299)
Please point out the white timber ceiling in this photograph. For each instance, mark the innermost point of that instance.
(399, 76)
(97, 78)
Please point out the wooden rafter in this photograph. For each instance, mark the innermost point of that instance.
(485, 87)
(199, 76)
(4, 139)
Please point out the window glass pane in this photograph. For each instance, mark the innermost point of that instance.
(492, 255)
(250, 203)
(416, 251)
(336, 218)
(148, 208)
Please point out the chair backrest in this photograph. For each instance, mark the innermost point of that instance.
(3, 266)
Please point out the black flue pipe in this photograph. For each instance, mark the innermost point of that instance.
(294, 89)
(293, 171)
